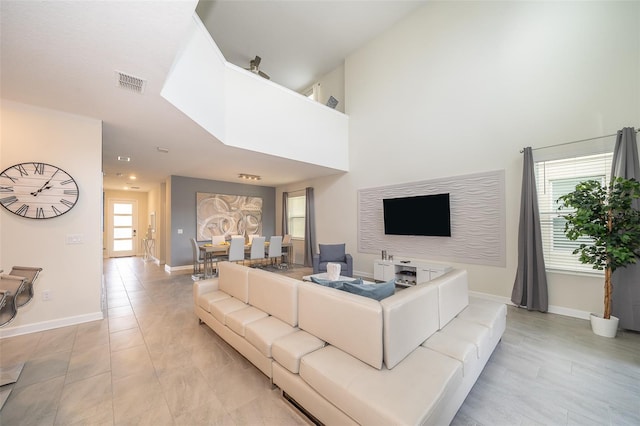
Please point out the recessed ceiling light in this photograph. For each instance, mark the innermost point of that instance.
(123, 158)
(133, 177)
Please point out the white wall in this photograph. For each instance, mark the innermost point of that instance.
(72, 273)
(460, 87)
(332, 84)
(156, 204)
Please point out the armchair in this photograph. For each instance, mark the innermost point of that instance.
(334, 253)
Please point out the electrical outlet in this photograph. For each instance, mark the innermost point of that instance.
(46, 295)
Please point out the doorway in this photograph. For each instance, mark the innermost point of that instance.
(122, 235)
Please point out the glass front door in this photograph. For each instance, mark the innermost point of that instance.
(123, 241)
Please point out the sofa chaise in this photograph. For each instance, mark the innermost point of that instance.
(342, 358)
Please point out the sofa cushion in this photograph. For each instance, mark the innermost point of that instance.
(275, 294)
(233, 279)
(238, 320)
(410, 317)
(407, 395)
(350, 322)
(221, 308)
(453, 294)
(454, 347)
(263, 332)
(289, 350)
(470, 332)
(205, 300)
(332, 252)
(372, 291)
(488, 315)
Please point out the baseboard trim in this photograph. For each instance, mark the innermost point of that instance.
(168, 268)
(50, 325)
(560, 310)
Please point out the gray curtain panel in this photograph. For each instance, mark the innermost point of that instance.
(625, 298)
(530, 286)
(285, 213)
(309, 228)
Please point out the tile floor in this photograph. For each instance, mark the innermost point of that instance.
(150, 363)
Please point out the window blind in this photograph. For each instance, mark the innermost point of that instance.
(557, 177)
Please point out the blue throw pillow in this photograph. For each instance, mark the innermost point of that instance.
(373, 291)
(334, 284)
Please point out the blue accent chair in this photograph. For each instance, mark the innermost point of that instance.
(334, 253)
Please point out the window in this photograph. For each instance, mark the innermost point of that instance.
(554, 179)
(296, 216)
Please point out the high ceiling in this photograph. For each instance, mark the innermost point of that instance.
(64, 55)
(298, 41)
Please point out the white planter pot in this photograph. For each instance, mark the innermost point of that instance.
(604, 327)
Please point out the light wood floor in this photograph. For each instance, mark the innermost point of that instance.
(150, 362)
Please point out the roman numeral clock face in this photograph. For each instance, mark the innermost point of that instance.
(37, 190)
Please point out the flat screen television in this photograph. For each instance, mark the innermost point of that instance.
(419, 215)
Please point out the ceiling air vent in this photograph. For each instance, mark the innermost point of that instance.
(130, 82)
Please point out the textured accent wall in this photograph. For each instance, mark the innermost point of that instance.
(477, 204)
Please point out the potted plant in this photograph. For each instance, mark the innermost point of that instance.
(607, 217)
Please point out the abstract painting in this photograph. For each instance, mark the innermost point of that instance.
(221, 214)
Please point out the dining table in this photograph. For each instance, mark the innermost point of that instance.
(210, 251)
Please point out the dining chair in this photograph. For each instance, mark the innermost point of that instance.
(217, 239)
(275, 248)
(236, 249)
(286, 251)
(251, 237)
(198, 260)
(31, 274)
(10, 287)
(257, 250)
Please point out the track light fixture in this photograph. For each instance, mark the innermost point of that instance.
(249, 177)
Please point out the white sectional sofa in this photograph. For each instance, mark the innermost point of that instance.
(409, 359)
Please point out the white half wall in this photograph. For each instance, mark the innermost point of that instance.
(246, 111)
(72, 273)
(196, 82)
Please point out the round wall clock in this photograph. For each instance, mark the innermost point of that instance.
(37, 190)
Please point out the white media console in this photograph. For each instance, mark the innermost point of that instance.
(407, 272)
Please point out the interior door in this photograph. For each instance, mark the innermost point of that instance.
(123, 240)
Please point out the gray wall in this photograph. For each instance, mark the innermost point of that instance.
(183, 211)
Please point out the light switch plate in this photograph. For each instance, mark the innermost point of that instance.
(74, 239)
